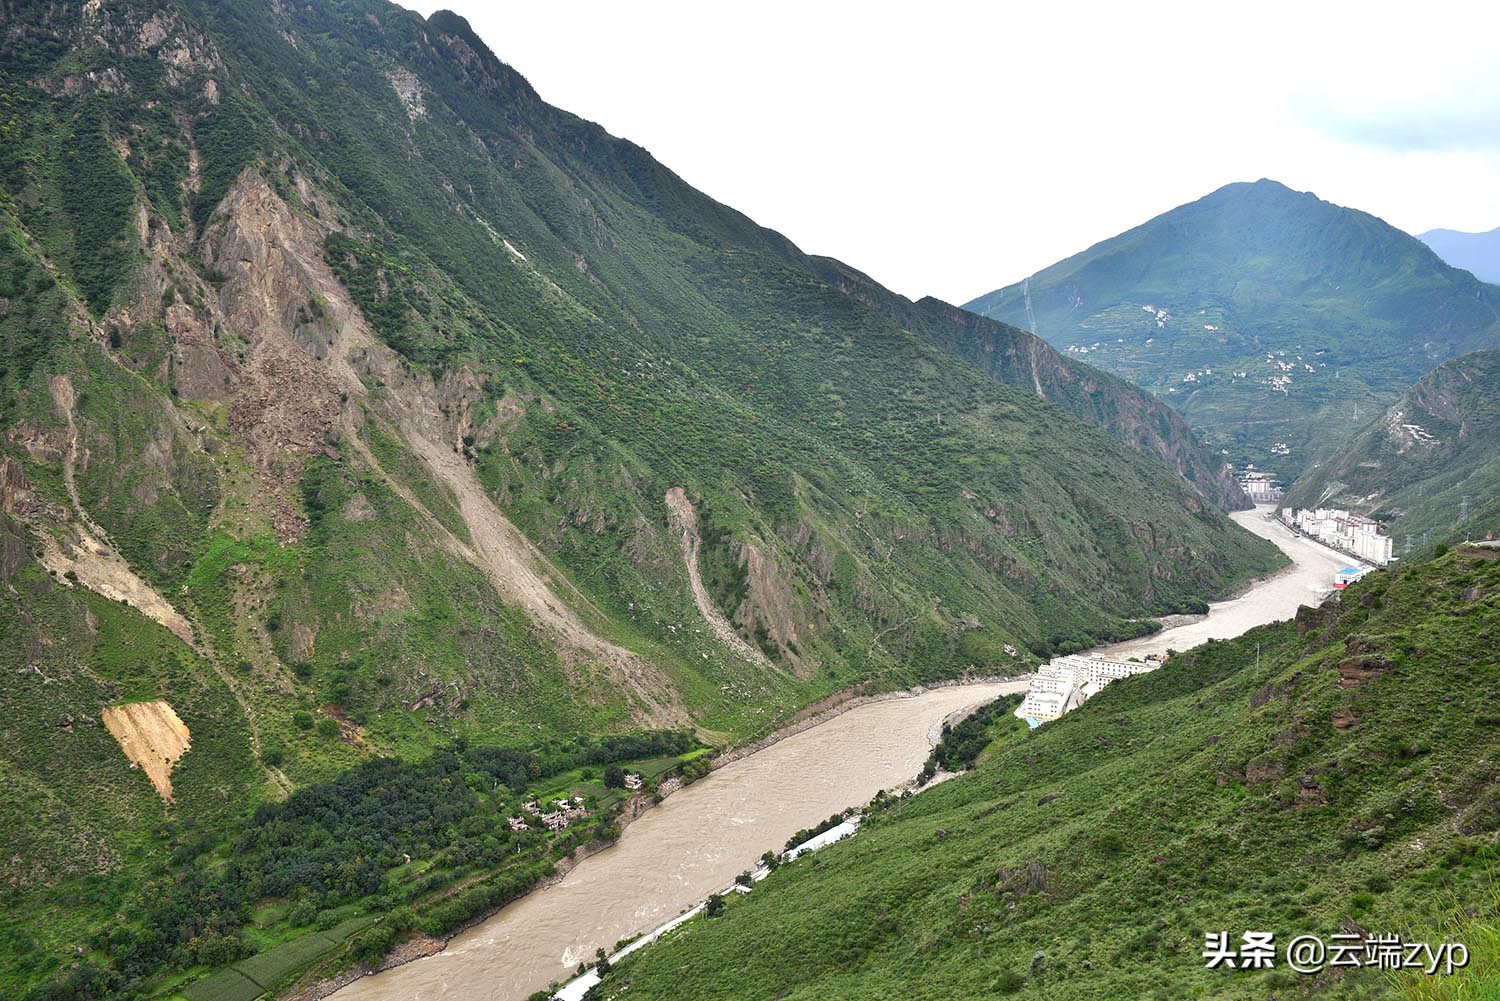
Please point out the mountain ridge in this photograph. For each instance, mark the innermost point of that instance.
(1476, 253)
(349, 390)
(1026, 362)
(1428, 466)
(1265, 316)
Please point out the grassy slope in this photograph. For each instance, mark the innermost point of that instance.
(1213, 794)
(1419, 485)
(917, 514)
(1015, 357)
(1367, 307)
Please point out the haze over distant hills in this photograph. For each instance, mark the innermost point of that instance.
(1429, 465)
(1274, 321)
(1478, 253)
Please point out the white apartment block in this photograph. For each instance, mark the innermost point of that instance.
(1067, 682)
(1343, 530)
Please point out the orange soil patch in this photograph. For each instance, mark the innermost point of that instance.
(152, 737)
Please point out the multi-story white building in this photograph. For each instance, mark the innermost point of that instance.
(1352, 533)
(1258, 486)
(1067, 682)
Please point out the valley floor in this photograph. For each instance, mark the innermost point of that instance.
(1306, 582)
(692, 845)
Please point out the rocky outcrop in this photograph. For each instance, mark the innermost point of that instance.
(771, 608)
(1356, 671)
(303, 386)
(280, 301)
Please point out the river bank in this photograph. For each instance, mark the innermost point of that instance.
(815, 714)
(1307, 581)
(692, 844)
(423, 946)
(834, 706)
(722, 843)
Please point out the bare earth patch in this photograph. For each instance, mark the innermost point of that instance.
(152, 737)
(685, 520)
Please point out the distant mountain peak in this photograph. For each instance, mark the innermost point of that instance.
(1263, 314)
(1476, 253)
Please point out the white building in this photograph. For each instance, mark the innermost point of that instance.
(1351, 533)
(1067, 682)
(1258, 486)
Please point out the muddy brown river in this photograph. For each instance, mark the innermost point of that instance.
(692, 845)
(1306, 582)
(700, 838)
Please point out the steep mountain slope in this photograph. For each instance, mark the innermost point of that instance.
(1028, 363)
(355, 403)
(1477, 253)
(1429, 465)
(1268, 317)
(1332, 774)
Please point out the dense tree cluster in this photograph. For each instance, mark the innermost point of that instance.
(961, 744)
(333, 843)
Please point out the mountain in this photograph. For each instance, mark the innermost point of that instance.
(1269, 318)
(1477, 253)
(383, 444)
(1429, 465)
(1329, 775)
(1028, 363)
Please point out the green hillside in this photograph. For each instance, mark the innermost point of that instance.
(373, 414)
(1429, 466)
(1012, 356)
(1268, 317)
(1332, 774)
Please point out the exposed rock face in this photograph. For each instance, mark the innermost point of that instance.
(282, 407)
(771, 608)
(1257, 772)
(152, 737)
(1357, 670)
(685, 521)
(16, 497)
(307, 349)
(409, 89)
(200, 370)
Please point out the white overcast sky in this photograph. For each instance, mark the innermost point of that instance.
(949, 149)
